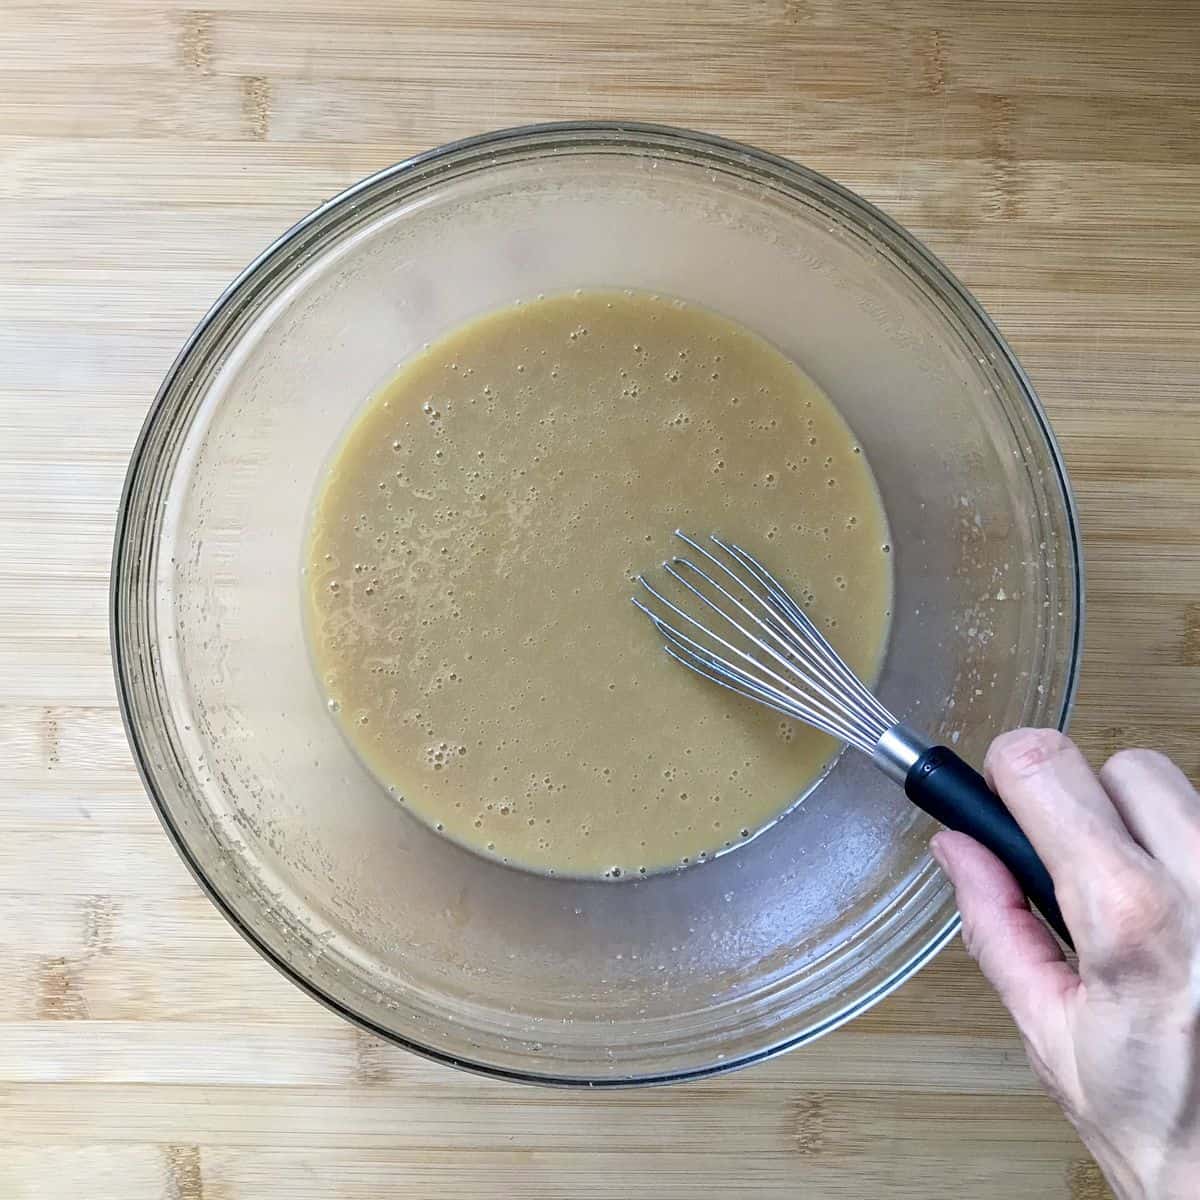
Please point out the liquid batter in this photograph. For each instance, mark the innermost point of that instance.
(470, 569)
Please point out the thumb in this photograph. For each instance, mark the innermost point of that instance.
(1017, 954)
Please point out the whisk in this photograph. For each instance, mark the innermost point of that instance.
(750, 636)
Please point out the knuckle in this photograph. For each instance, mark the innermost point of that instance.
(1025, 752)
(1138, 919)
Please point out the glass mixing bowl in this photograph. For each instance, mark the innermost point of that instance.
(412, 936)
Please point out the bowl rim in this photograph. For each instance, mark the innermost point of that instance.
(595, 135)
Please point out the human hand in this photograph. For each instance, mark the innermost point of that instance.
(1117, 1041)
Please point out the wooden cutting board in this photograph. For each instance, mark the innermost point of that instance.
(1048, 151)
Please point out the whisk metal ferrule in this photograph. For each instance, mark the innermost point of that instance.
(898, 751)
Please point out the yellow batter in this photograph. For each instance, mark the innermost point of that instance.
(470, 569)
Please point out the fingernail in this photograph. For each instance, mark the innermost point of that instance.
(936, 851)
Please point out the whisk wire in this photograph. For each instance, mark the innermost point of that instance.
(791, 660)
(782, 659)
(816, 686)
(832, 677)
(790, 691)
(683, 649)
(818, 645)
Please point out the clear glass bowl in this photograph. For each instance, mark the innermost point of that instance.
(413, 937)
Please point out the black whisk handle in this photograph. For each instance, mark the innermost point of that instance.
(954, 793)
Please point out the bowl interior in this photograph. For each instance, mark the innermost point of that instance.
(418, 938)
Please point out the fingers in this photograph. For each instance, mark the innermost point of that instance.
(1015, 951)
(1160, 809)
(1122, 908)
(1048, 786)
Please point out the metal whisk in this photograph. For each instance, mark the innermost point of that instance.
(750, 636)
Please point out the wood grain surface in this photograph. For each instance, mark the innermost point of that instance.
(1048, 151)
